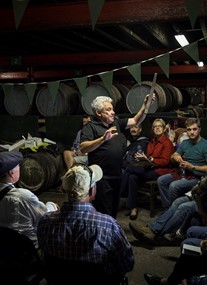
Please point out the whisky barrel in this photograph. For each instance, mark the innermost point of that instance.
(67, 101)
(40, 171)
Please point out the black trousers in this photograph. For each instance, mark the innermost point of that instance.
(108, 196)
(188, 266)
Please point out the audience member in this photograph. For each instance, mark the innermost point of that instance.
(184, 212)
(78, 233)
(102, 140)
(74, 155)
(136, 143)
(20, 209)
(191, 156)
(159, 151)
(168, 222)
(190, 267)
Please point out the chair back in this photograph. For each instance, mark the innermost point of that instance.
(61, 271)
(19, 260)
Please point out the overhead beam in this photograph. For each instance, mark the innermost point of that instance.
(95, 58)
(37, 17)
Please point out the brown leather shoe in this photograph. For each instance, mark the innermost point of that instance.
(143, 233)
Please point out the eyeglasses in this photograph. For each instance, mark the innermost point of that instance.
(157, 126)
(85, 167)
(191, 129)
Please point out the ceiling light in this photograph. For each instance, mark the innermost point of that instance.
(200, 63)
(182, 40)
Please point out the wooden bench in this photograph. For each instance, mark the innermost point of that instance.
(150, 189)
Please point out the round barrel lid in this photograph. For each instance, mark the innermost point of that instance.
(136, 96)
(91, 93)
(17, 102)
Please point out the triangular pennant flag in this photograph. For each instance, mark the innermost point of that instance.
(53, 87)
(95, 7)
(164, 62)
(135, 71)
(193, 7)
(192, 50)
(30, 90)
(19, 9)
(8, 90)
(81, 83)
(107, 79)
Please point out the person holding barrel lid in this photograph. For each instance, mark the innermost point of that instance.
(20, 209)
(102, 139)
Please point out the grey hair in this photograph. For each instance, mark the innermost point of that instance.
(97, 103)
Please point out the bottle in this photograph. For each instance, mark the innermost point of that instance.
(139, 148)
(182, 172)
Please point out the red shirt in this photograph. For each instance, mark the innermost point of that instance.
(161, 150)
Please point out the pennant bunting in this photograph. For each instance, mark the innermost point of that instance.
(192, 50)
(53, 87)
(193, 7)
(19, 8)
(135, 71)
(95, 7)
(164, 62)
(81, 83)
(30, 89)
(8, 91)
(107, 78)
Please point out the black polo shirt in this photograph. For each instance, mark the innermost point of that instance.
(108, 155)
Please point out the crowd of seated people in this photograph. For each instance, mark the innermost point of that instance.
(190, 268)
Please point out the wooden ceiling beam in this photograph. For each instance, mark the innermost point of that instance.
(45, 16)
(98, 58)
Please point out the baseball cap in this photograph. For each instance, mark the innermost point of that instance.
(9, 160)
(80, 178)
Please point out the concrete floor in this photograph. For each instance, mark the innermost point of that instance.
(158, 260)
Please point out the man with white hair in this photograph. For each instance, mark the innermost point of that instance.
(78, 233)
(102, 139)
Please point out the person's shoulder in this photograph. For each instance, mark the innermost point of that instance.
(164, 139)
(24, 193)
(204, 140)
(108, 221)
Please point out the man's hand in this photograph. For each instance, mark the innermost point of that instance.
(110, 133)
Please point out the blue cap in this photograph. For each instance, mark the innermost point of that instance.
(9, 160)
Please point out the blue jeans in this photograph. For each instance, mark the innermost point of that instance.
(171, 189)
(194, 235)
(173, 217)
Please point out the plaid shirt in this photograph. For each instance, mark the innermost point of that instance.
(78, 232)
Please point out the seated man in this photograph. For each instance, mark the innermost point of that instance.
(191, 156)
(74, 155)
(20, 208)
(192, 205)
(78, 233)
(188, 266)
(136, 143)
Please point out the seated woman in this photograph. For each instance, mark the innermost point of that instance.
(159, 151)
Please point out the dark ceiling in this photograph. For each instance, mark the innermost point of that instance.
(55, 39)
